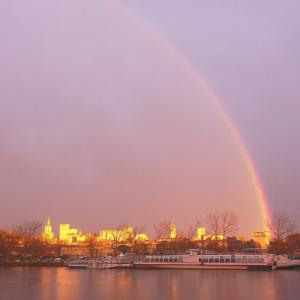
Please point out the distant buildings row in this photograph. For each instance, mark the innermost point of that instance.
(74, 236)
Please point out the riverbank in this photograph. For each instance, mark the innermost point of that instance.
(33, 264)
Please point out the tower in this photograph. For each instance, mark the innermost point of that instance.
(64, 230)
(200, 233)
(48, 232)
(172, 231)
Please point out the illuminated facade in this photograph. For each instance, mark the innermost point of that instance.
(48, 234)
(262, 238)
(173, 233)
(141, 237)
(70, 235)
(121, 235)
(201, 235)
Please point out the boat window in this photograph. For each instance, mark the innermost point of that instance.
(152, 259)
(244, 259)
(221, 259)
(211, 260)
(156, 260)
(175, 259)
(170, 259)
(161, 260)
(217, 259)
(165, 260)
(233, 259)
(227, 259)
(205, 259)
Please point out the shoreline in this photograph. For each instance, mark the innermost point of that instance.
(32, 264)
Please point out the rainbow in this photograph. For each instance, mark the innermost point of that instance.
(162, 42)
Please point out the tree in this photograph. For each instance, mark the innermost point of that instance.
(29, 229)
(138, 230)
(8, 243)
(280, 226)
(213, 224)
(162, 230)
(222, 224)
(92, 242)
(192, 230)
(229, 223)
(29, 236)
(120, 235)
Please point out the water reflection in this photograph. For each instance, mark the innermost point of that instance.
(63, 284)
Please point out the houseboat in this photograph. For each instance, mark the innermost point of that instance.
(106, 262)
(286, 262)
(79, 264)
(193, 260)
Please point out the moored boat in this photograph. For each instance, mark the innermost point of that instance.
(286, 262)
(106, 262)
(79, 264)
(192, 260)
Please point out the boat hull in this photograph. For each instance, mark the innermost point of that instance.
(287, 266)
(77, 267)
(187, 266)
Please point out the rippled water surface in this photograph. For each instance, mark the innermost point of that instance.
(62, 283)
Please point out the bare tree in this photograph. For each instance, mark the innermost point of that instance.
(162, 230)
(229, 223)
(120, 235)
(92, 242)
(29, 229)
(192, 230)
(29, 236)
(137, 230)
(222, 224)
(8, 242)
(213, 224)
(280, 226)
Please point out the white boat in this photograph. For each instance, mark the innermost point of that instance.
(118, 262)
(192, 260)
(106, 262)
(79, 264)
(285, 262)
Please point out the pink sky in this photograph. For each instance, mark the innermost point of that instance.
(100, 124)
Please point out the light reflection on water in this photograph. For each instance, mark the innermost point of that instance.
(63, 284)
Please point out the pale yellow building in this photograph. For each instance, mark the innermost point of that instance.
(70, 235)
(120, 235)
(173, 233)
(200, 233)
(48, 234)
(141, 237)
(202, 236)
(262, 238)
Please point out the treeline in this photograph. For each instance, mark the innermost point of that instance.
(284, 240)
(23, 240)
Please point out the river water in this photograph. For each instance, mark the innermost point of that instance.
(64, 284)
